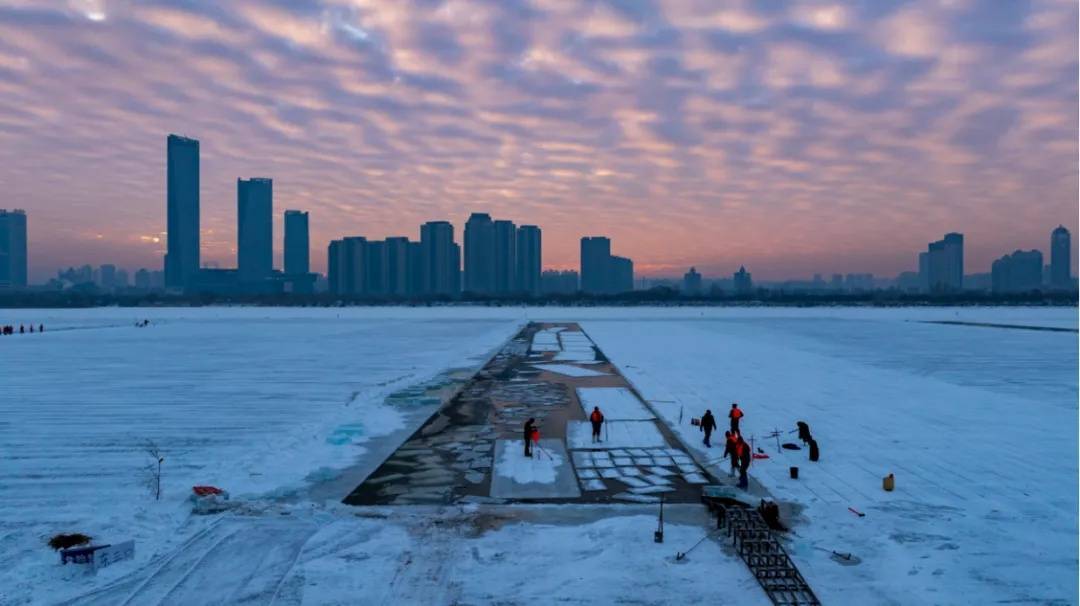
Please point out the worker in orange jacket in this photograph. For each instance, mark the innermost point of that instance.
(597, 420)
(735, 415)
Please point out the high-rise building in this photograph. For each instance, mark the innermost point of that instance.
(13, 261)
(182, 210)
(596, 265)
(945, 264)
(622, 274)
(528, 259)
(691, 282)
(297, 257)
(1060, 259)
(742, 281)
(335, 266)
(1018, 272)
(255, 239)
(440, 263)
(505, 257)
(416, 269)
(480, 254)
(396, 266)
(376, 281)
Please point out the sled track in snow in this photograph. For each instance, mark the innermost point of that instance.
(204, 569)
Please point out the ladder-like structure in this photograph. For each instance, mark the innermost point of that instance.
(755, 543)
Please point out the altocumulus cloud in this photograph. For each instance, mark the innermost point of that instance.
(790, 136)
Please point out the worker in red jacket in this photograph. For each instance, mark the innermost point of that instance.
(528, 431)
(735, 415)
(730, 440)
(743, 451)
(597, 419)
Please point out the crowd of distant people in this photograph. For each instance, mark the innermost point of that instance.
(9, 329)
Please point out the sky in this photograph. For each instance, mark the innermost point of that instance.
(790, 137)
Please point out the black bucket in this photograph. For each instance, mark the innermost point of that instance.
(794, 473)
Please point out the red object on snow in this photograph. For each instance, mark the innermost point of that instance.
(760, 455)
(536, 435)
(203, 491)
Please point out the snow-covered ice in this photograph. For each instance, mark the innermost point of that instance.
(616, 403)
(545, 475)
(570, 370)
(615, 434)
(977, 424)
(257, 401)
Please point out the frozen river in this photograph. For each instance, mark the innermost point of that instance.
(980, 422)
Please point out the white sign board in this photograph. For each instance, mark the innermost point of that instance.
(114, 553)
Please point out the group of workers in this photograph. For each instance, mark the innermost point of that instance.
(735, 447)
(9, 329)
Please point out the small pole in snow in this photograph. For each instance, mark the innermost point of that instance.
(658, 536)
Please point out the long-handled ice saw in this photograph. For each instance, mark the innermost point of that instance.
(682, 554)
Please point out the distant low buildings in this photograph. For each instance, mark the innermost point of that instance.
(559, 282)
(1017, 273)
(691, 283)
(742, 282)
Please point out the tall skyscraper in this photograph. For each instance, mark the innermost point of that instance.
(1060, 258)
(480, 254)
(595, 265)
(182, 210)
(297, 246)
(505, 257)
(440, 263)
(255, 239)
(528, 256)
(945, 264)
(13, 261)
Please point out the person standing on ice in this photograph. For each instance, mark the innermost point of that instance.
(597, 419)
(708, 424)
(744, 454)
(529, 430)
(730, 439)
(735, 415)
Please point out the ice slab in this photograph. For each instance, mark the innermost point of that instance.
(694, 478)
(593, 485)
(547, 475)
(617, 403)
(570, 371)
(619, 434)
(636, 498)
(634, 482)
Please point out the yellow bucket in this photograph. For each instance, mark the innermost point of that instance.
(888, 483)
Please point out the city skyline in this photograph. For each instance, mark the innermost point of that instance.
(793, 140)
